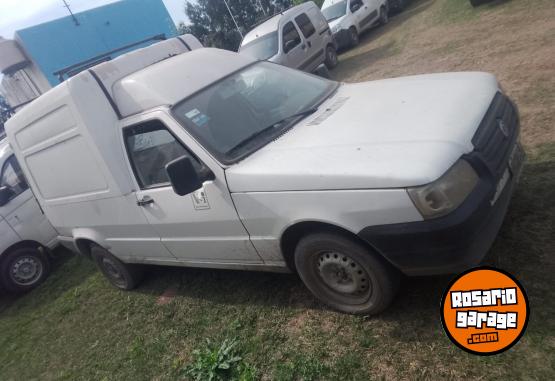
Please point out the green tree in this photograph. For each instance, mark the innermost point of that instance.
(211, 23)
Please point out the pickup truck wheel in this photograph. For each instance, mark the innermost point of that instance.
(353, 37)
(331, 57)
(23, 269)
(343, 274)
(121, 275)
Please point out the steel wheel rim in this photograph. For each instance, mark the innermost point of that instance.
(113, 272)
(26, 270)
(343, 276)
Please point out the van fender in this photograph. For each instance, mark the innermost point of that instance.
(84, 237)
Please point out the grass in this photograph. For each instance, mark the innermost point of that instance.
(77, 327)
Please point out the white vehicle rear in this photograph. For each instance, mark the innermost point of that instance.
(349, 18)
(25, 233)
(212, 159)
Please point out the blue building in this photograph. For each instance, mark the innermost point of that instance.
(55, 50)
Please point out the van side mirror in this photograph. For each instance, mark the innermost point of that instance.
(6, 193)
(183, 176)
(355, 7)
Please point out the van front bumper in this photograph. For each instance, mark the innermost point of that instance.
(452, 243)
(461, 239)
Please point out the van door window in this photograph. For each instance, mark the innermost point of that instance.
(12, 177)
(304, 23)
(355, 5)
(291, 37)
(150, 146)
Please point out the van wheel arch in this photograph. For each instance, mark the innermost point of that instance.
(84, 246)
(294, 233)
(24, 244)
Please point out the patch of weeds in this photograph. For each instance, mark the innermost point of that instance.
(219, 362)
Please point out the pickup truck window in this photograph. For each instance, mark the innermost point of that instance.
(150, 147)
(243, 112)
(12, 177)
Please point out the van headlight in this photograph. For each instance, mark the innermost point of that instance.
(446, 193)
(336, 28)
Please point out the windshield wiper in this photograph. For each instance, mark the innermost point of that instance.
(271, 127)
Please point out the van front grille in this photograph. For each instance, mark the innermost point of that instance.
(497, 133)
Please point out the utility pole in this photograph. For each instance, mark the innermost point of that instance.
(233, 18)
(71, 13)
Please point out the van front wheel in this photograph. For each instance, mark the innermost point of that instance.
(331, 57)
(121, 275)
(344, 274)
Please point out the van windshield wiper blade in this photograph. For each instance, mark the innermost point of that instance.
(273, 126)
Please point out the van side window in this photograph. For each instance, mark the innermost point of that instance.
(291, 37)
(304, 23)
(12, 177)
(355, 5)
(150, 146)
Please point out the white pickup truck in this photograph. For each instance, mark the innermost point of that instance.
(212, 159)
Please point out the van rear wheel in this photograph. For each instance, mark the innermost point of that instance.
(23, 269)
(121, 275)
(344, 274)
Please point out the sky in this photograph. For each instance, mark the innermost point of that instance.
(18, 14)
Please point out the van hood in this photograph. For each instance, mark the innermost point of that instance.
(392, 133)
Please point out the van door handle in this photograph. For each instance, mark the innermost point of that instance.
(145, 201)
(309, 44)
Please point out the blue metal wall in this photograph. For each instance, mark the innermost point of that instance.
(60, 43)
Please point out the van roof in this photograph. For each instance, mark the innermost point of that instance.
(272, 24)
(172, 80)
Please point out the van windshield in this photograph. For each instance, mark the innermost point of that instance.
(335, 11)
(262, 48)
(245, 111)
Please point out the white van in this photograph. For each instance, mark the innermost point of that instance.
(213, 159)
(25, 233)
(298, 37)
(349, 18)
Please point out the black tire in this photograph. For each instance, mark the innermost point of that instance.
(476, 3)
(398, 5)
(344, 274)
(384, 14)
(23, 269)
(331, 57)
(121, 275)
(353, 37)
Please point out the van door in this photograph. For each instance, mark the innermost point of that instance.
(22, 212)
(201, 227)
(314, 49)
(293, 47)
(369, 13)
